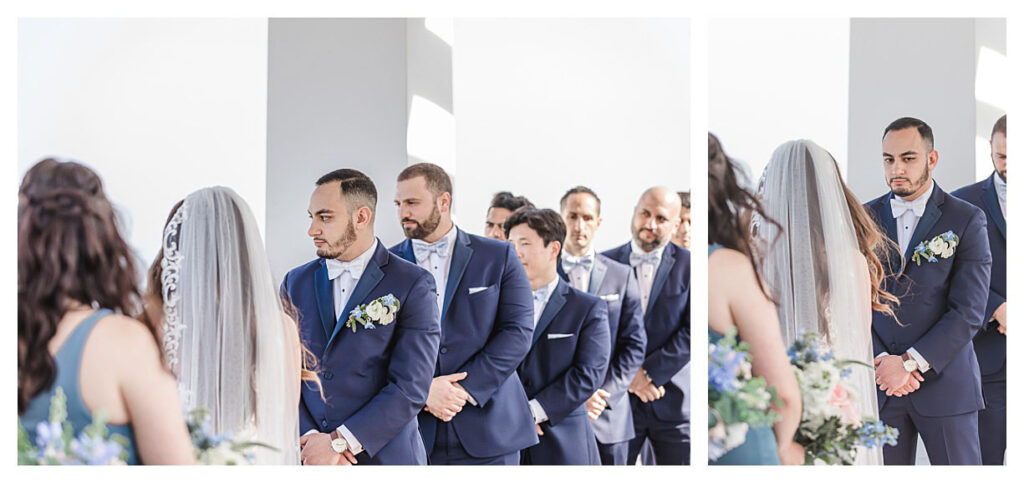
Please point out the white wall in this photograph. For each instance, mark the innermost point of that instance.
(991, 87)
(544, 105)
(774, 80)
(159, 108)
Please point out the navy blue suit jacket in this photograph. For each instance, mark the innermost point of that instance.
(942, 304)
(989, 344)
(375, 380)
(667, 322)
(485, 334)
(564, 367)
(614, 283)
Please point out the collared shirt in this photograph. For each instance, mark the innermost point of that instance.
(438, 266)
(579, 276)
(907, 222)
(540, 300)
(1001, 193)
(645, 273)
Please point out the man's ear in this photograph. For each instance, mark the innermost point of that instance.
(933, 159)
(363, 216)
(446, 201)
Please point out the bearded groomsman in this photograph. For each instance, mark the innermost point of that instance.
(476, 411)
(593, 273)
(925, 351)
(569, 356)
(502, 205)
(658, 390)
(990, 343)
(682, 234)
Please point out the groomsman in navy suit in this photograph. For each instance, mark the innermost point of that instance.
(571, 344)
(375, 371)
(502, 204)
(593, 273)
(925, 353)
(990, 343)
(658, 390)
(476, 412)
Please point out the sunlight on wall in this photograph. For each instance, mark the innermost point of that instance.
(990, 87)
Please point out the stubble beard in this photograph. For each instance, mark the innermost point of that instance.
(424, 229)
(339, 246)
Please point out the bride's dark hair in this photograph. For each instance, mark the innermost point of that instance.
(70, 253)
(730, 208)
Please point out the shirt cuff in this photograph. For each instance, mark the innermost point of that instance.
(312, 431)
(471, 400)
(539, 416)
(353, 444)
(922, 364)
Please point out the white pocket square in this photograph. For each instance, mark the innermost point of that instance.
(610, 297)
(473, 290)
(558, 336)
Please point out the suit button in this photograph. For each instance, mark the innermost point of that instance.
(323, 422)
(444, 350)
(328, 375)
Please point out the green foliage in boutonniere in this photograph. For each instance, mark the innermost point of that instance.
(381, 311)
(943, 246)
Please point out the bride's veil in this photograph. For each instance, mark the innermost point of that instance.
(224, 336)
(813, 266)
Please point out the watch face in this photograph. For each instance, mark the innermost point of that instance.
(910, 365)
(339, 445)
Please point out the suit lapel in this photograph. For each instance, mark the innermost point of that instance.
(371, 276)
(324, 298)
(667, 261)
(926, 223)
(991, 199)
(883, 213)
(597, 275)
(555, 303)
(460, 260)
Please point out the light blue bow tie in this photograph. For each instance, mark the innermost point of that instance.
(540, 294)
(337, 267)
(899, 207)
(569, 262)
(423, 250)
(641, 258)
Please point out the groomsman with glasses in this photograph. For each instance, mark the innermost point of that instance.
(990, 343)
(476, 410)
(569, 356)
(588, 271)
(658, 390)
(502, 205)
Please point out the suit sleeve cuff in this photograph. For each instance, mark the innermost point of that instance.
(539, 416)
(353, 444)
(922, 363)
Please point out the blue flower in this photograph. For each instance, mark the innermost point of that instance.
(369, 325)
(920, 248)
(389, 300)
(948, 236)
(724, 367)
(932, 259)
(356, 312)
(49, 433)
(95, 450)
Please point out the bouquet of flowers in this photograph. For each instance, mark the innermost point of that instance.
(831, 427)
(737, 401)
(56, 444)
(219, 449)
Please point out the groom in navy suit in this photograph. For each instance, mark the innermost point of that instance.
(990, 343)
(569, 356)
(593, 273)
(371, 319)
(925, 353)
(476, 412)
(659, 388)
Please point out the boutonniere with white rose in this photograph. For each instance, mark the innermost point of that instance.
(378, 312)
(942, 246)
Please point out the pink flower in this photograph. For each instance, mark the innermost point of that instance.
(841, 400)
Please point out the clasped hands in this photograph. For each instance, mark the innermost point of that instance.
(892, 378)
(644, 388)
(447, 396)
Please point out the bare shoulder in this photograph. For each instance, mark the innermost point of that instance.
(125, 338)
(729, 262)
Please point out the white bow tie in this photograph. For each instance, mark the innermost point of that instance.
(337, 267)
(899, 207)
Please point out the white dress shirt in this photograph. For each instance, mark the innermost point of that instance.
(539, 415)
(579, 276)
(645, 273)
(438, 266)
(1001, 193)
(344, 276)
(906, 223)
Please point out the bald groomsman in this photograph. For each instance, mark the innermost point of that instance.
(990, 342)
(661, 413)
(591, 272)
(502, 205)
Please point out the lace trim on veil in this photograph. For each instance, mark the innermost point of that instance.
(171, 264)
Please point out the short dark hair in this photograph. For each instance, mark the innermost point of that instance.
(684, 198)
(548, 224)
(577, 190)
(510, 202)
(357, 188)
(999, 127)
(438, 181)
(911, 122)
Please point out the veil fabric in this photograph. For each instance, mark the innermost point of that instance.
(225, 333)
(815, 269)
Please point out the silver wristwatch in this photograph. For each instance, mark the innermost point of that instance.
(909, 363)
(339, 445)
